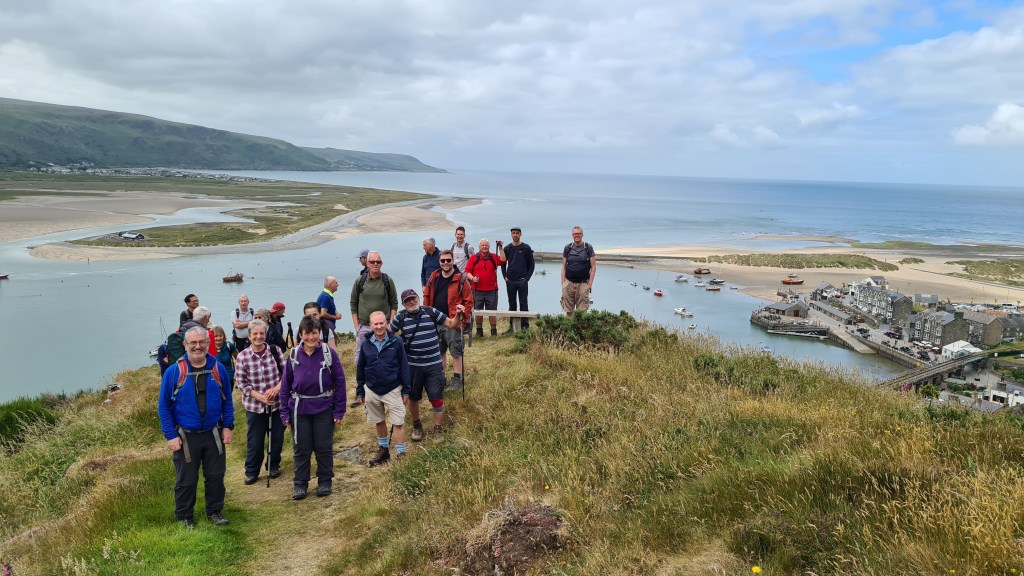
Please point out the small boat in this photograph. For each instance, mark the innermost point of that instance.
(154, 352)
(683, 312)
(790, 281)
(766, 350)
(647, 287)
(701, 271)
(234, 277)
(715, 288)
(692, 326)
(658, 292)
(632, 283)
(542, 272)
(700, 284)
(734, 287)
(716, 281)
(682, 278)
(5, 276)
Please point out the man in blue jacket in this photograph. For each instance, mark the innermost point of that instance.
(197, 417)
(383, 385)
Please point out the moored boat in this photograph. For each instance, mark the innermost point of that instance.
(716, 281)
(647, 287)
(792, 280)
(682, 278)
(714, 288)
(4, 276)
(658, 292)
(234, 277)
(702, 271)
(683, 312)
(700, 284)
(692, 326)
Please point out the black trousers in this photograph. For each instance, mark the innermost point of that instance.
(518, 289)
(203, 449)
(241, 343)
(256, 441)
(313, 434)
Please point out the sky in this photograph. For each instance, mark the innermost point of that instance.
(847, 90)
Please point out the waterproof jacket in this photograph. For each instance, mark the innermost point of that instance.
(466, 299)
(184, 410)
(385, 370)
(311, 383)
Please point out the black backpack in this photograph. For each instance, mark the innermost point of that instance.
(384, 278)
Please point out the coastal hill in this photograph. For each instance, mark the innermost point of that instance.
(587, 445)
(35, 135)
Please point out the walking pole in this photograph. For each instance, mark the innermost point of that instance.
(270, 425)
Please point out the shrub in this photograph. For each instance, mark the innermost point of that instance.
(584, 329)
(19, 414)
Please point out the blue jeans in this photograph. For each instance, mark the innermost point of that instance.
(256, 437)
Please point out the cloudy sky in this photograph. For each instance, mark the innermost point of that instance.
(870, 90)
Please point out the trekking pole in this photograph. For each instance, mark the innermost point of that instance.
(270, 426)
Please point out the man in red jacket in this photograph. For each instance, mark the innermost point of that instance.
(482, 270)
(445, 290)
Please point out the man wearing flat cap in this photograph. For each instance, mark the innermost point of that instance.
(517, 270)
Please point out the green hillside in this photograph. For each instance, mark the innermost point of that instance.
(34, 134)
(356, 160)
(589, 445)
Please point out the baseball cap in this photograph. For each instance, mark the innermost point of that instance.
(364, 253)
(516, 229)
(277, 307)
(408, 293)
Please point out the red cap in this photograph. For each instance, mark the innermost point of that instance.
(277, 307)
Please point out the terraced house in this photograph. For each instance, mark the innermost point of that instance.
(883, 304)
(990, 329)
(940, 327)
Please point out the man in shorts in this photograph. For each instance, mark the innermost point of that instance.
(383, 385)
(418, 325)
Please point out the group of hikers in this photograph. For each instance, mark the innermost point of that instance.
(297, 383)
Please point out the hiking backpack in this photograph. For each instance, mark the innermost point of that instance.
(384, 278)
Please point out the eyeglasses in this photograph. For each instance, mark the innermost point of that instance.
(197, 343)
(378, 262)
(444, 260)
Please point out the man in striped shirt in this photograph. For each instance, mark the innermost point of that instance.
(417, 325)
(258, 375)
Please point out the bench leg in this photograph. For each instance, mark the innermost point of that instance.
(517, 324)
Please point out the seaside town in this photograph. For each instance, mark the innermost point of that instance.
(941, 343)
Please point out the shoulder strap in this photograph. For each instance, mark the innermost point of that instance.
(383, 277)
(183, 374)
(328, 359)
(432, 312)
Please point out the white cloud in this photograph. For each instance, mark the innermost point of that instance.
(827, 118)
(1005, 127)
(757, 137)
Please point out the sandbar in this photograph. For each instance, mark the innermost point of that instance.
(929, 277)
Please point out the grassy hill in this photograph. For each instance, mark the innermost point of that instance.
(588, 446)
(34, 134)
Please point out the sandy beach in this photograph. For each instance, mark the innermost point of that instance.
(32, 216)
(929, 277)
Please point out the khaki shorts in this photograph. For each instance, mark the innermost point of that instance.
(575, 296)
(451, 341)
(392, 402)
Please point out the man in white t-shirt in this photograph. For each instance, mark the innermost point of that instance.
(240, 318)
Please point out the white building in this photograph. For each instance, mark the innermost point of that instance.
(958, 349)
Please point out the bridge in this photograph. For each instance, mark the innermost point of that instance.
(936, 373)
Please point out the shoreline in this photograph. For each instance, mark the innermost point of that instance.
(412, 215)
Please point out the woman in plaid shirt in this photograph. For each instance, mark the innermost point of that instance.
(258, 375)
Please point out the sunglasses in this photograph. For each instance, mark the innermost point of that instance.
(374, 261)
(444, 260)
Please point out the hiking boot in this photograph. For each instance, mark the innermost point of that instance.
(300, 493)
(323, 490)
(382, 457)
(354, 404)
(275, 473)
(250, 480)
(479, 331)
(217, 519)
(438, 430)
(417, 432)
(455, 384)
(189, 523)
(494, 330)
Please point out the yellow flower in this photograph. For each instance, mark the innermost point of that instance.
(546, 487)
(756, 569)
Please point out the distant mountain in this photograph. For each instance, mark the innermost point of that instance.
(35, 134)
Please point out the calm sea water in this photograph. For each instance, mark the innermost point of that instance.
(74, 325)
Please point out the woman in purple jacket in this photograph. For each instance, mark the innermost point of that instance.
(313, 402)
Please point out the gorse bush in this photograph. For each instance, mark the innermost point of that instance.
(585, 328)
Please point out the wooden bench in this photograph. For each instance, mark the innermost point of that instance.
(516, 317)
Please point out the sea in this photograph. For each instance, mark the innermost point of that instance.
(69, 326)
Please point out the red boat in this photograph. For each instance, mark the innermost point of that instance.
(235, 278)
(702, 271)
(792, 280)
(658, 292)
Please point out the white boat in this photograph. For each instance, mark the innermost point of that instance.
(713, 288)
(683, 312)
(632, 283)
(692, 326)
(700, 284)
(682, 278)
(716, 281)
